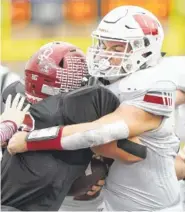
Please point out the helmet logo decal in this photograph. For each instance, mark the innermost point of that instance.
(148, 25)
(45, 54)
(34, 77)
(44, 60)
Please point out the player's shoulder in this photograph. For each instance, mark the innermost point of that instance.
(178, 64)
(154, 78)
(89, 103)
(49, 105)
(48, 112)
(150, 89)
(88, 93)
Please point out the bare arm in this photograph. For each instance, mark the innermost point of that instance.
(180, 98)
(137, 120)
(126, 121)
(112, 151)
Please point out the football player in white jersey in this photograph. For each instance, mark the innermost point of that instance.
(180, 159)
(139, 193)
(179, 129)
(127, 40)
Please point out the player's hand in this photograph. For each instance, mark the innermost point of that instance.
(96, 188)
(17, 143)
(93, 193)
(13, 111)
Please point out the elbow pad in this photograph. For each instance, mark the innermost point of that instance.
(135, 149)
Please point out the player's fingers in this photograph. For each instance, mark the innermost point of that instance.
(96, 188)
(20, 103)
(16, 101)
(101, 182)
(8, 102)
(91, 193)
(26, 108)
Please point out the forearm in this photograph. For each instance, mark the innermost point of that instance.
(77, 128)
(100, 134)
(132, 150)
(126, 121)
(55, 138)
(7, 129)
(115, 153)
(115, 126)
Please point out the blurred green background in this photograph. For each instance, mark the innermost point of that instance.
(28, 24)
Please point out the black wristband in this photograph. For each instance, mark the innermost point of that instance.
(135, 149)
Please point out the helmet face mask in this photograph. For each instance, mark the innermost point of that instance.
(111, 58)
(123, 44)
(53, 69)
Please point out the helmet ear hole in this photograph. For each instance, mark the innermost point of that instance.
(146, 42)
(145, 55)
(61, 64)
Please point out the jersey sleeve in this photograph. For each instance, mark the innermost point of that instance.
(179, 71)
(181, 81)
(159, 99)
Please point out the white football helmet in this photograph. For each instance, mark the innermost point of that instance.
(138, 30)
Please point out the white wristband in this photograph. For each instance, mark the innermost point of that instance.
(102, 135)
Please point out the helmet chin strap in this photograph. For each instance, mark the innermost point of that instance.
(112, 79)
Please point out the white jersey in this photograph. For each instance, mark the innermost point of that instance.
(180, 122)
(152, 183)
(182, 186)
(69, 204)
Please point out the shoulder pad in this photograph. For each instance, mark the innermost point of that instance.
(159, 99)
(161, 92)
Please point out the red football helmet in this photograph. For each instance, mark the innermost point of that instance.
(55, 67)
